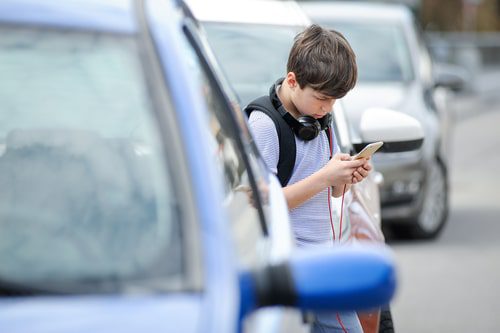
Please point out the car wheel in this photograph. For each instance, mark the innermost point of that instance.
(434, 211)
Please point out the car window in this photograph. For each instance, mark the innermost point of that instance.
(238, 45)
(240, 199)
(253, 56)
(87, 201)
(381, 50)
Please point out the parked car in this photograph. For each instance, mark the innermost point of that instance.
(395, 71)
(121, 182)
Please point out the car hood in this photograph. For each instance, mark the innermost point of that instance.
(403, 97)
(395, 96)
(179, 313)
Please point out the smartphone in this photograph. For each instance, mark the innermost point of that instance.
(368, 150)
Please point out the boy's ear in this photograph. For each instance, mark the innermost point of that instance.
(291, 80)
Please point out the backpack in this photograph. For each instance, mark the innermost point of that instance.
(286, 137)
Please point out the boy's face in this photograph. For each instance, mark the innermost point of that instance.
(310, 102)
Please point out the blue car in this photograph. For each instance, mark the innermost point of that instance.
(120, 185)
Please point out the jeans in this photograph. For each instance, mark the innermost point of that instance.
(336, 322)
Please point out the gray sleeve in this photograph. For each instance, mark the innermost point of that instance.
(336, 147)
(266, 138)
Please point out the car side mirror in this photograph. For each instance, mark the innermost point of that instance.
(450, 76)
(343, 278)
(399, 131)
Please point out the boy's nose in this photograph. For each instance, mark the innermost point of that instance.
(328, 105)
(326, 108)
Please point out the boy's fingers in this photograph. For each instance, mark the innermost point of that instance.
(358, 175)
(355, 163)
(363, 170)
(342, 157)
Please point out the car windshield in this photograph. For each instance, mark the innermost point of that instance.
(237, 45)
(382, 52)
(86, 201)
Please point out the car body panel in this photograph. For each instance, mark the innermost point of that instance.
(113, 16)
(180, 313)
(219, 272)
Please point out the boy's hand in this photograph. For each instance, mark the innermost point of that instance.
(361, 172)
(342, 170)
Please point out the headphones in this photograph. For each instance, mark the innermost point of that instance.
(305, 127)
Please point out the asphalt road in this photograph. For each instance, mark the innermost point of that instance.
(452, 284)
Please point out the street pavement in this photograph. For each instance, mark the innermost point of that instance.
(451, 284)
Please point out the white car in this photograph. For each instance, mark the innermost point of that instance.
(396, 72)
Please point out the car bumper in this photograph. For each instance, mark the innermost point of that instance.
(401, 193)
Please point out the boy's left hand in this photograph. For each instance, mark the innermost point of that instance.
(362, 172)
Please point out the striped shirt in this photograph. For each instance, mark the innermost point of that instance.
(311, 220)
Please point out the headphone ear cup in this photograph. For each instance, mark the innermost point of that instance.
(309, 128)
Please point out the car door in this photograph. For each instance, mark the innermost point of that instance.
(254, 199)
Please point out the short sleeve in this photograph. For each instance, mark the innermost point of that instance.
(266, 138)
(336, 147)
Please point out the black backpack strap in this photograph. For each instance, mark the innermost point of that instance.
(286, 137)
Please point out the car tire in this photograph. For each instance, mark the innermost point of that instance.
(386, 325)
(434, 209)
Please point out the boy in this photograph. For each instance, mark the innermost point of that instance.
(321, 68)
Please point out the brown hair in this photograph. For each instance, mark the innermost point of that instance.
(323, 60)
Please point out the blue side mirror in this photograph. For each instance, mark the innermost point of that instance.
(343, 278)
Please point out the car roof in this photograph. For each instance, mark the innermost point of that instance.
(358, 10)
(249, 11)
(102, 15)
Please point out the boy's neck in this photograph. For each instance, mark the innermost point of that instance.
(284, 94)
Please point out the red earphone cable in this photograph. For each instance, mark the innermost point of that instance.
(342, 212)
(341, 323)
(330, 211)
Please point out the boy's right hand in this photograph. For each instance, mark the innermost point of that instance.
(340, 169)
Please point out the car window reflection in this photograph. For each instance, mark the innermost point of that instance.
(240, 199)
(86, 200)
